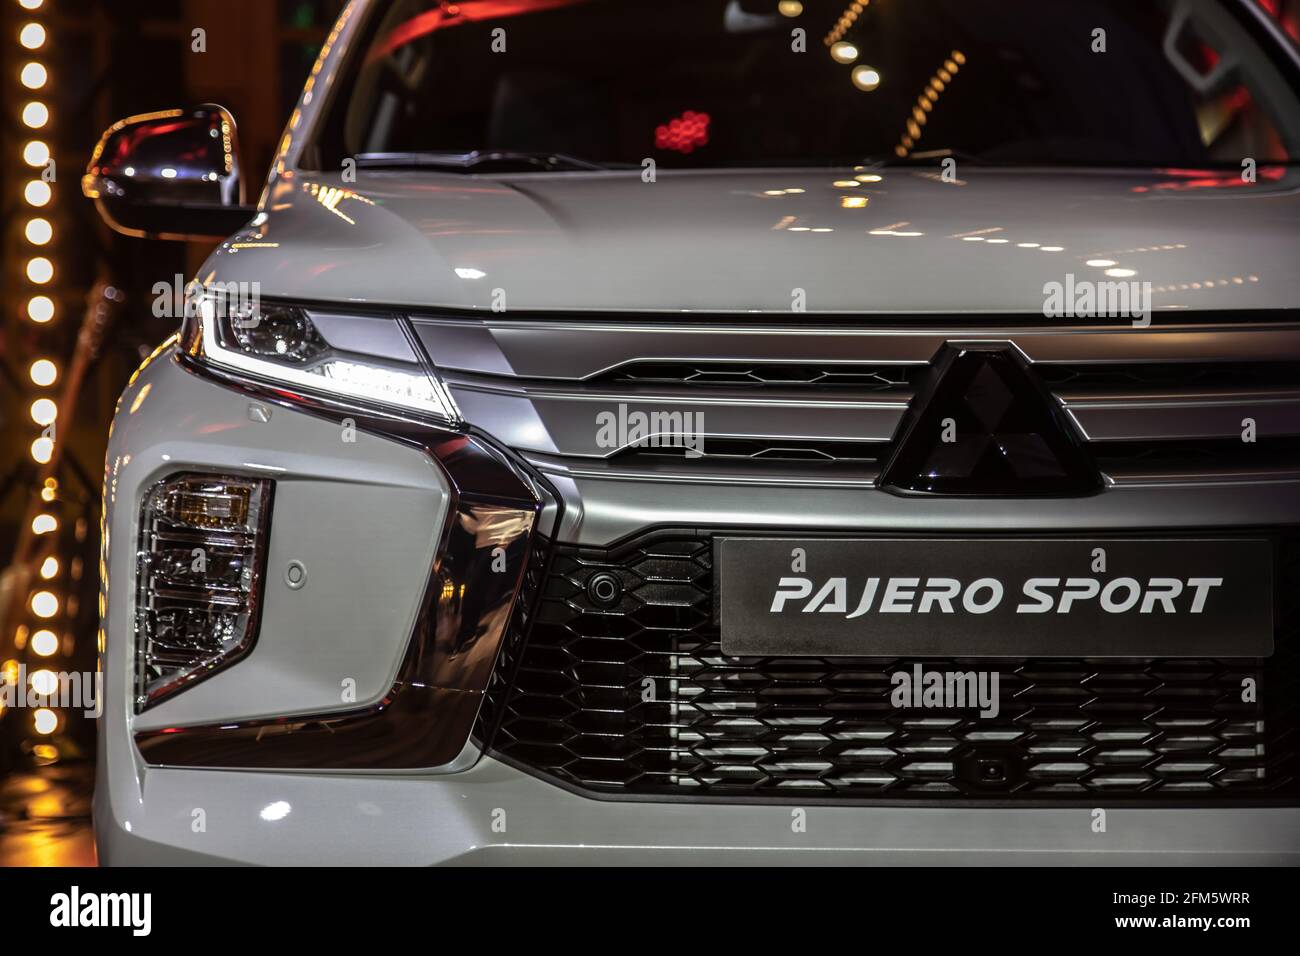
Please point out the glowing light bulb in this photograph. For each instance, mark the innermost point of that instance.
(45, 720)
(36, 153)
(44, 411)
(39, 231)
(40, 309)
(865, 78)
(36, 114)
(32, 36)
(34, 76)
(843, 52)
(43, 372)
(45, 604)
(40, 270)
(45, 643)
(37, 193)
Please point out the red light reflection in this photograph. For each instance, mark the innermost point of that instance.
(683, 133)
(454, 14)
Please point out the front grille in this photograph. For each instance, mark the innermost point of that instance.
(1141, 421)
(639, 700)
(830, 405)
(1183, 420)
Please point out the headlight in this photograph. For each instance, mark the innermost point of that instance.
(366, 357)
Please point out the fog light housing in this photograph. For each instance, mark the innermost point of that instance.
(199, 574)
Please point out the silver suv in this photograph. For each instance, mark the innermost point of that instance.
(720, 431)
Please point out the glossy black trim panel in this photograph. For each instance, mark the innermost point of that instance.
(1067, 470)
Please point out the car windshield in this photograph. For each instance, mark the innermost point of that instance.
(725, 83)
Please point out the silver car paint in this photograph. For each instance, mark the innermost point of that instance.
(335, 500)
(301, 819)
(712, 241)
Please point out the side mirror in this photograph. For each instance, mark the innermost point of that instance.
(169, 175)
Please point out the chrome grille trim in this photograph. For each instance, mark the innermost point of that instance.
(558, 350)
(563, 420)
(1135, 476)
(708, 472)
(1170, 419)
(538, 386)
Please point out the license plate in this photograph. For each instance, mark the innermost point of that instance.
(976, 597)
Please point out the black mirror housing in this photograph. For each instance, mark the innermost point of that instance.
(173, 174)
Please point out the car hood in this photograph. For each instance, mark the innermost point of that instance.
(773, 241)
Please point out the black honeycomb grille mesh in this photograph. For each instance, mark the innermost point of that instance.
(639, 699)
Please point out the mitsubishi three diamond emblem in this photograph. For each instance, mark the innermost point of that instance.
(988, 428)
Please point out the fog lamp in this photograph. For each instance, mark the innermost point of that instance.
(202, 543)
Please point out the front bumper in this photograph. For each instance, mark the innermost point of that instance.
(367, 517)
(493, 814)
